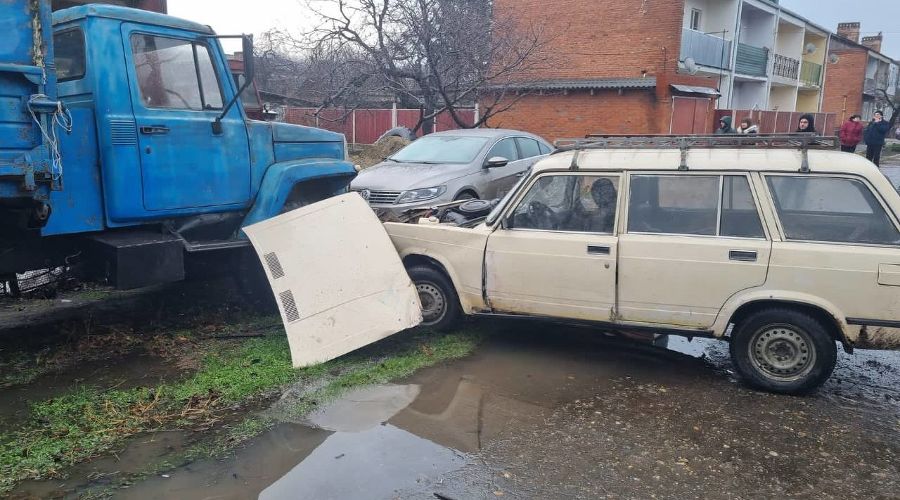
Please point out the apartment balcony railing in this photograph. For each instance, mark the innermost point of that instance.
(811, 74)
(706, 50)
(786, 67)
(751, 60)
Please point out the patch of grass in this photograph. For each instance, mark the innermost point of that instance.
(88, 422)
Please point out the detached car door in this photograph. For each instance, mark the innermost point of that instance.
(555, 252)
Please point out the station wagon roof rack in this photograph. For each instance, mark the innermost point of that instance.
(801, 141)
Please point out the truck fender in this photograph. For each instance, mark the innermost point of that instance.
(281, 178)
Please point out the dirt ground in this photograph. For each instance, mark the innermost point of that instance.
(537, 411)
(368, 155)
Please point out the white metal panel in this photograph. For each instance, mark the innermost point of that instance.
(337, 278)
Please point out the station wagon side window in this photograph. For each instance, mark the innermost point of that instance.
(570, 203)
(506, 149)
(69, 52)
(175, 74)
(830, 209)
(705, 205)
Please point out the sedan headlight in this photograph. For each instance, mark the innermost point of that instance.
(414, 195)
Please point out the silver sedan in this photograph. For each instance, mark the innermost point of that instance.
(449, 166)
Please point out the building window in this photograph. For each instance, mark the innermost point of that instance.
(695, 19)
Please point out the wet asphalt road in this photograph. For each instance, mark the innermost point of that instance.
(543, 411)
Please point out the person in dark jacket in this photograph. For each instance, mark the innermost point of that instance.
(725, 126)
(851, 134)
(875, 134)
(807, 123)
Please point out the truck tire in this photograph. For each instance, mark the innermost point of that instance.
(440, 304)
(783, 350)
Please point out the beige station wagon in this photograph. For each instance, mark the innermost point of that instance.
(780, 245)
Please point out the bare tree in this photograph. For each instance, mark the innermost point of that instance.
(436, 55)
(892, 102)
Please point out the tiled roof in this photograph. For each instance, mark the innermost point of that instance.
(596, 83)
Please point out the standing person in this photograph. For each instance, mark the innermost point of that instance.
(875, 133)
(725, 126)
(807, 123)
(747, 127)
(851, 134)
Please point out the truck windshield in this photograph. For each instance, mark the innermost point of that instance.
(441, 149)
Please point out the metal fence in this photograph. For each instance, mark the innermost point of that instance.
(786, 67)
(365, 126)
(811, 74)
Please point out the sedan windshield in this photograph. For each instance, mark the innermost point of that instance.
(441, 149)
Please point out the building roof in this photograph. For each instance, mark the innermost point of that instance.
(693, 89)
(588, 84)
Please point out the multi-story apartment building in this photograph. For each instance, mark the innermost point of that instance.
(765, 57)
(663, 66)
(859, 77)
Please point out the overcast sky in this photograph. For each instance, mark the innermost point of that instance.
(257, 16)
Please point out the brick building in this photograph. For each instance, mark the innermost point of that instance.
(663, 66)
(857, 73)
(610, 68)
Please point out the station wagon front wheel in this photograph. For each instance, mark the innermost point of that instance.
(440, 303)
(783, 350)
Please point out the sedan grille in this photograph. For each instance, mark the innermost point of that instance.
(382, 197)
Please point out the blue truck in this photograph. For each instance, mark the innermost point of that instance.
(124, 145)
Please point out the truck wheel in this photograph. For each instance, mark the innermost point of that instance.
(783, 350)
(440, 304)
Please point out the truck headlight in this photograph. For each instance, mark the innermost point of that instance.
(414, 195)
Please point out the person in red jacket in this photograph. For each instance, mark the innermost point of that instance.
(851, 134)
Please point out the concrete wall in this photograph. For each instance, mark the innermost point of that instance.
(808, 101)
(749, 95)
(757, 27)
(783, 98)
(789, 41)
(717, 15)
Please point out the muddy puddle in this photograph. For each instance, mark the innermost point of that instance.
(553, 412)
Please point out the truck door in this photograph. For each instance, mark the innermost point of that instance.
(179, 86)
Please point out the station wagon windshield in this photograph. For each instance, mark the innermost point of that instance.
(441, 149)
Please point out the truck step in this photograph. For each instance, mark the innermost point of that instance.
(135, 259)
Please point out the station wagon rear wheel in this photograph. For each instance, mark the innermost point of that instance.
(440, 304)
(783, 350)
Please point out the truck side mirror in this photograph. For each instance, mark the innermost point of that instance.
(249, 64)
(249, 68)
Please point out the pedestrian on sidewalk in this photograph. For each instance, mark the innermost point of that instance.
(851, 134)
(874, 136)
(747, 127)
(807, 124)
(725, 126)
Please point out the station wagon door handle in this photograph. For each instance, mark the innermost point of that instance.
(597, 250)
(742, 255)
(155, 130)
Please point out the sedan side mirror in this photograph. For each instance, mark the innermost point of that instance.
(496, 161)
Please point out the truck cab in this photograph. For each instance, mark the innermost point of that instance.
(156, 148)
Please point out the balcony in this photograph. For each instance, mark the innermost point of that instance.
(786, 67)
(706, 50)
(751, 60)
(869, 86)
(811, 74)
